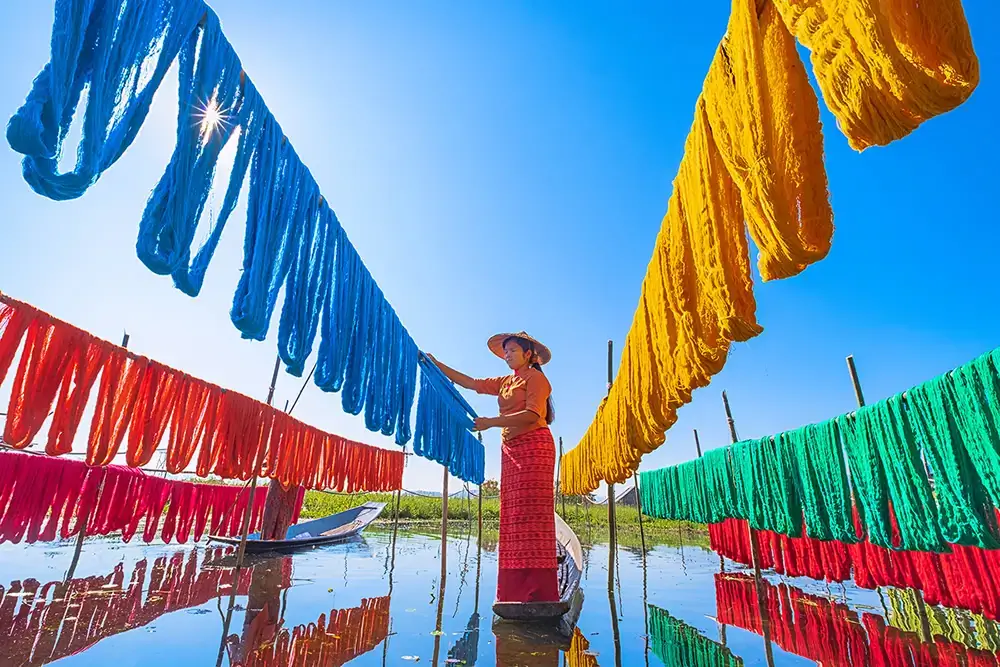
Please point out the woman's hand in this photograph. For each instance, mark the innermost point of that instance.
(433, 360)
(483, 423)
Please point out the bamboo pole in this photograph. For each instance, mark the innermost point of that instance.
(853, 370)
(722, 559)
(925, 626)
(437, 625)
(615, 632)
(638, 506)
(444, 568)
(562, 496)
(612, 515)
(479, 512)
(645, 607)
(395, 515)
(755, 555)
(83, 528)
(256, 474)
(241, 552)
(444, 526)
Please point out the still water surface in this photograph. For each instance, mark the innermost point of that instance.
(367, 604)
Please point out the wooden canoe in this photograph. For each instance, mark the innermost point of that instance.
(331, 529)
(566, 610)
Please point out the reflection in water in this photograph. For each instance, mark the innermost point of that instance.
(81, 622)
(40, 624)
(615, 631)
(832, 633)
(332, 640)
(955, 625)
(579, 654)
(329, 642)
(466, 649)
(677, 643)
(520, 649)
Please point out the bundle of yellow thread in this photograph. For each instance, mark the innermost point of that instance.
(754, 157)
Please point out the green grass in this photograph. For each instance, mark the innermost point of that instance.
(590, 526)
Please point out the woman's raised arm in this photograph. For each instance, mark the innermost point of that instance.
(461, 379)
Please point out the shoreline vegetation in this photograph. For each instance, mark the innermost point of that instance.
(590, 522)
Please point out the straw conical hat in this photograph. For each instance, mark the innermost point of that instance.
(495, 344)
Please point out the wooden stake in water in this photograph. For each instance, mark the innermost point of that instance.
(253, 481)
(245, 530)
(562, 495)
(722, 559)
(612, 518)
(444, 528)
(638, 506)
(479, 512)
(755, 556)
(852, 369)
(925, 626)
(83, 527)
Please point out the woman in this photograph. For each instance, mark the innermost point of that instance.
(527, 466)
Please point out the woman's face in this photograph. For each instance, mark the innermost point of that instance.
(515, 356)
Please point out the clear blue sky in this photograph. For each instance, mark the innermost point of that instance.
(506, 167)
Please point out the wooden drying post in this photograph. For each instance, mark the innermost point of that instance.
(562, 496)
(755, 555)
(638, 507)
(444, 528)
(612, 516)
(479, 515)
(444, 567)
(925, 626)
(241, 552)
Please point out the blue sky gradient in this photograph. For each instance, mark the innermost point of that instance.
(506, 166)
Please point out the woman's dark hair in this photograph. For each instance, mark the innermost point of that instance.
(528, 346)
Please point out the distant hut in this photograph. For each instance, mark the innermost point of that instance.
(627, 497)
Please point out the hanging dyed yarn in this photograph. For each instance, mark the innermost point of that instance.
(220, 431)
(744, 164)
(754, 156)
(293, 240)
(886, 66)
(962, 499)
(966, 578)
(119, 52)
(886, 468)
(42, 498)
(444, 421)
(778, 482)
(820, 475)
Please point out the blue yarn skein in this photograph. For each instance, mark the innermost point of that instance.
(309, 280)
(280, 191)
(250, 117)
(443, 420)
(209, 74)
(339, 316)
(119, 51)
(119, 37)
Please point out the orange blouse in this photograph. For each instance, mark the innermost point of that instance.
(526, 389)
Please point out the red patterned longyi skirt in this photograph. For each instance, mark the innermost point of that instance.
(527, 519)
